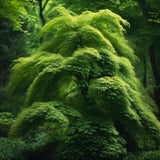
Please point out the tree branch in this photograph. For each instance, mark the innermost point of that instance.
(45, 4)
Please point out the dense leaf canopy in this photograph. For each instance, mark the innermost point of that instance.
(15, 11)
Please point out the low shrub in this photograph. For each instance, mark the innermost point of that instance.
(12, 149)
(146, 155)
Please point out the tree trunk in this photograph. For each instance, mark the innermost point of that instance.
(152, 54)
(41, 9)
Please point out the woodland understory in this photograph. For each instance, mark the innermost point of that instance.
(79, 80)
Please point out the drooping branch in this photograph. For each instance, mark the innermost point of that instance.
(80, 41)
(45, 4)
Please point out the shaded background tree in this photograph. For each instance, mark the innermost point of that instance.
(12, 46)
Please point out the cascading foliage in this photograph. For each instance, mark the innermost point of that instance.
(82, 90)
